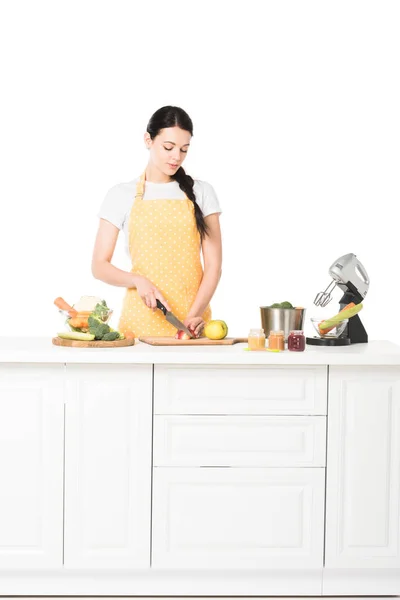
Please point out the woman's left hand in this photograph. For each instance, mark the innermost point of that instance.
(195, 324)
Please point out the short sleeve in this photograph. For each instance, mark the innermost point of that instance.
(207, 198)
(115, 206)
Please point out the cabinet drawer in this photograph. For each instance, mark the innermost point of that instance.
(219, 441)
(257, 390)
(238, 518)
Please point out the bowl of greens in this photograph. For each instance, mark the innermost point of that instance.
(282, 316)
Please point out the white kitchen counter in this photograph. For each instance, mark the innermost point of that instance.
(206, 471)
(41, 350)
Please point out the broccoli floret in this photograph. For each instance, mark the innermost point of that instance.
(281, 305)
(94, 321)
(97, 327)
(101, 330)
(101, 310)
(111, 336)
(286, 305)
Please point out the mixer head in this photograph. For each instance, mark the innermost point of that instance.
(349, 275)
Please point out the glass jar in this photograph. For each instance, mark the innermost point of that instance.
(296, 341)
(276, 340)
(256, 339)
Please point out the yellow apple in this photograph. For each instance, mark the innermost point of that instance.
(216, 330)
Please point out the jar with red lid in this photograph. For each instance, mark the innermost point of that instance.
(296, 341)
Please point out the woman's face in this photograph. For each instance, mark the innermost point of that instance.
(169, 148)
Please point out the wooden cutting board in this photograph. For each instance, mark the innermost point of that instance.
(171, 341)
(57, 341)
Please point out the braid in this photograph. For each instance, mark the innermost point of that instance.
(186, 184)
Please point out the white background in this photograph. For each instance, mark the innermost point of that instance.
(296, 111)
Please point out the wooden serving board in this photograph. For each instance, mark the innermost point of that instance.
(171, 341)
(57, 341)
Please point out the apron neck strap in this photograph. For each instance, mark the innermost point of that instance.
(140, 186)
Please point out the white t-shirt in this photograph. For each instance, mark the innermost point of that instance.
(117, 204)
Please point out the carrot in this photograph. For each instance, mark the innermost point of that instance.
(325, 331)
(78, 322)
(62, 305)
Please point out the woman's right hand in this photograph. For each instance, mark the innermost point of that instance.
(149, 293)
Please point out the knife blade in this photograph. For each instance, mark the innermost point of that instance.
(171, 318)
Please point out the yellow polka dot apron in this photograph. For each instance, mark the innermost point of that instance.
(164, 245)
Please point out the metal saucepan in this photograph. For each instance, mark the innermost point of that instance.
(285, 319)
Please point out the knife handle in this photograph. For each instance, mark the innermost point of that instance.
(161, 306)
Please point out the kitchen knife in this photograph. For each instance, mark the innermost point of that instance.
(173, 320)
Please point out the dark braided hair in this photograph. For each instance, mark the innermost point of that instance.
(173, 116)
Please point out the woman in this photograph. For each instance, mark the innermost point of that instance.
(168, 220)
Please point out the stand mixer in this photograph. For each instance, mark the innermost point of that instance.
(350, 276)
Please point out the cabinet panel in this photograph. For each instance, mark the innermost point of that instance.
(238, 518)
(363, 477)
(31, 466)
(187, 440)
(108, 466)
(205, 389)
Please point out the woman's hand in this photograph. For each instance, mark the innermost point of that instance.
(195, 324)
(149, 293)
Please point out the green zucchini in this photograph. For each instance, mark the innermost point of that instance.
(344, 314)
(76, 335)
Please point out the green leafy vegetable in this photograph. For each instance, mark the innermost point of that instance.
(97, 327)
(110, 337)
(285, 304)
(101, 310)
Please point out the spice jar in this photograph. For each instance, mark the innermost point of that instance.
(296, 341)
(276, 340)
(256, 339)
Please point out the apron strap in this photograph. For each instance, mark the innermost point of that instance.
(140, 186)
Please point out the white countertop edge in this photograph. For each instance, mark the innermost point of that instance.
(41, 350)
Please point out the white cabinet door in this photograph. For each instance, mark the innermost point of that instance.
(31, 466)
(363, 468)
(108, 466)
(238, 518)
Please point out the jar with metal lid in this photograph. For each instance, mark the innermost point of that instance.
(296, 341)
(276, 340)
(256, 339)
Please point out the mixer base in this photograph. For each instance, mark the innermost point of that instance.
(316, 341)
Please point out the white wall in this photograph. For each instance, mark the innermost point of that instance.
(297, 126)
